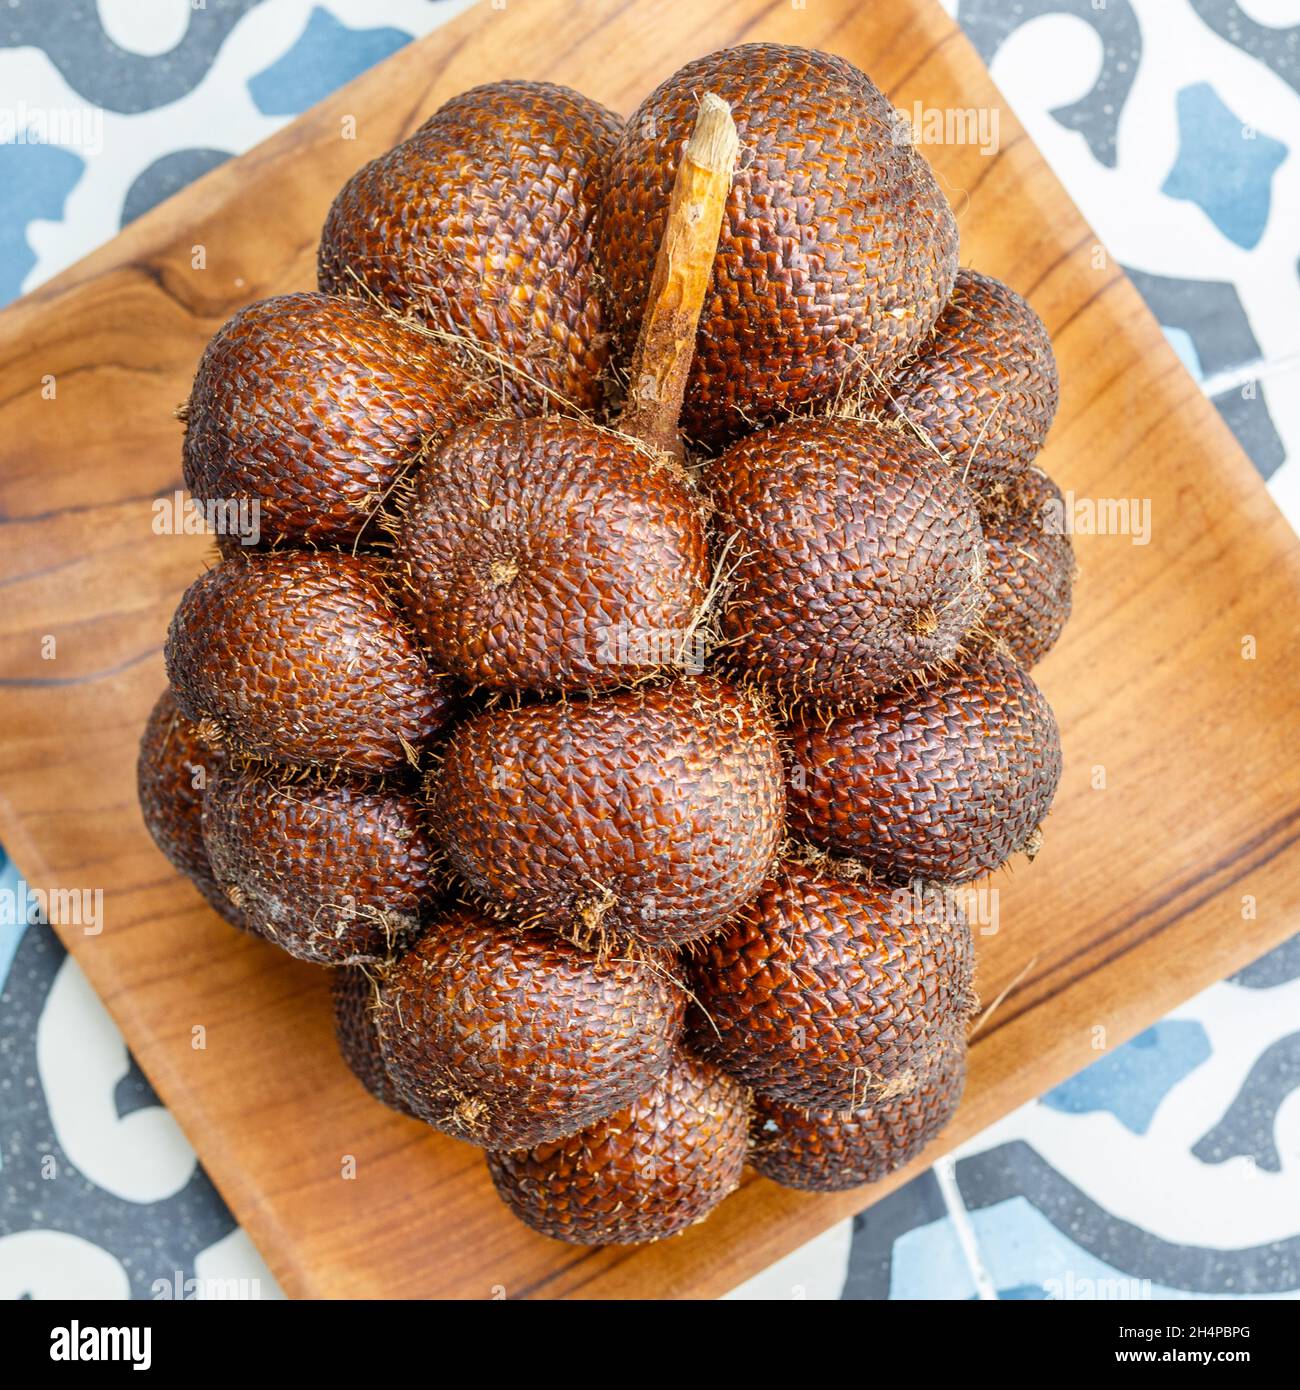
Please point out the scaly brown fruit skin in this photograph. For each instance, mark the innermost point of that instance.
(822, 1151)
(825, 990)
(314, 407)
(331, 870)
(647, 1172)
(172, 758)
(856, 558)
(480, 224)
(353, 997)
(304, 658)
(984, 388)
(551, 555)
(837, 252)
(1030, 573)
(509, 1036)
(941, 782)
(652, 813)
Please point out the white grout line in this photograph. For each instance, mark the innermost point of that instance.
(1261, 369)
(946, 1176)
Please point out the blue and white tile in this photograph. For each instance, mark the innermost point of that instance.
(1175, 143)
(277, 59)
(99, 1190)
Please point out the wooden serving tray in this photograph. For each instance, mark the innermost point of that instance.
(1176, 683)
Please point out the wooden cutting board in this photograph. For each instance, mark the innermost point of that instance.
(1169, 858)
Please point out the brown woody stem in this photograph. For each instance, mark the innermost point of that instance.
(662, 359)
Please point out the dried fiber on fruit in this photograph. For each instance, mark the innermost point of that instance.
(652, 813)
(480, 226)
(1030, 571)
(831, 993)
(826, 1151)
(552, 555)
(838, 250)
(333, 870)
(654, 1168)
(983, 389)
(173, 769)
(313, 408)
(353, 996)
(942, 781)
(855, 558)
(647, 545)
(304, 658)
(509, 1036)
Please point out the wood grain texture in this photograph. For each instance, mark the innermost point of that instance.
(1135, 903)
